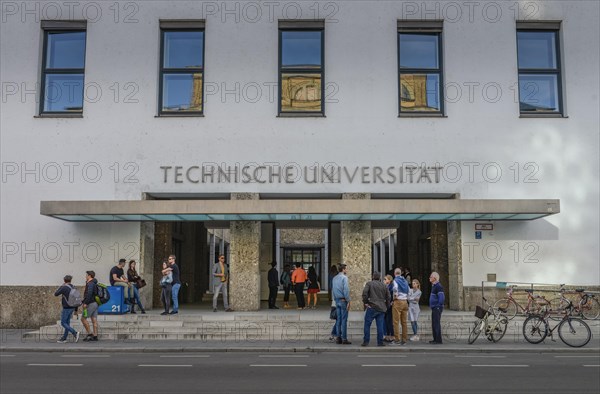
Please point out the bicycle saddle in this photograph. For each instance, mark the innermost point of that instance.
(580, 290)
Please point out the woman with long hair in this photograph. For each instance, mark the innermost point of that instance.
(413, 307)
(166, 285)
(133, 277)
(286, 281)
(389, 320)
(313, 286)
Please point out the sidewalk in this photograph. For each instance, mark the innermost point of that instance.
(11, 341)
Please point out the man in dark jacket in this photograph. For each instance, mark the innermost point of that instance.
(67, 311)
(376, 299)
(273, 278)
(90, 307)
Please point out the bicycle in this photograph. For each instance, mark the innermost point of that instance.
(490, 321)
(587, 307)
(573, 331)
(535, 304)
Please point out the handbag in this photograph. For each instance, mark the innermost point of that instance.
(140, 283)
(333, 313)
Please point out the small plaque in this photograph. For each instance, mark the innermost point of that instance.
(477, 234)
(484, 226)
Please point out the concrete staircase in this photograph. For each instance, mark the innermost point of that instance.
(265, 325)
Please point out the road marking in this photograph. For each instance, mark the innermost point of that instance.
(591, 365)
(164, 365)
(388, 365)
(7, 355)
(54, 365)
(186, 356)
(87, 355)
(282, 356)
(379, 356)
(500, 365)
(278, 365)
(480, 356)
(577, 356)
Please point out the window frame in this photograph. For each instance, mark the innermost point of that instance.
(430, 28)
(281, 70)
(172, 27)
(60, 28)
(540, 28)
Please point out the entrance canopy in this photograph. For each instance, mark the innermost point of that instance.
(289, 209)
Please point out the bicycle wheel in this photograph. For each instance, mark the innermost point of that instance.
(535, 329)
(591, 309)
(557, 309)
(477, 326)
(498, 328)
(574, 332)
(507, 307)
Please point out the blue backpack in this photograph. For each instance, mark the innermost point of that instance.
(402, 284)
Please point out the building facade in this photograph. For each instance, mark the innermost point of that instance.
(461, 137)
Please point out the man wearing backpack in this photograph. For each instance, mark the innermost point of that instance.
(90, 307)
(400, 307)
(70, 300)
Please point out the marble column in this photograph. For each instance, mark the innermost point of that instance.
(356, 252)
(244, 283)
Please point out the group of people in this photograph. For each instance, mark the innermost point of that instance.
(296, 278)
(390, 303)
(70, 299)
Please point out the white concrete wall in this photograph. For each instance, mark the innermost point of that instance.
(361, 127)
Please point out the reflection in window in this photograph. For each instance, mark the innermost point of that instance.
(182, 72)
(63, 72)
(301, 71)
(420, 81)
(539, 71)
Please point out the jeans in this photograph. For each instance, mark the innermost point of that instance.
(174, 295)
(370, 315)
(436, 323)
(216, 290)
(165, 296)
(342, 319)
(334, 330)
(415, 327)
(389, 322)
(65, 321)
(136, 295)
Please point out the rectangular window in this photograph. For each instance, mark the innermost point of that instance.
(301, 53)
(538, 56)
(420, 71)
(63, 67)
(181, 80)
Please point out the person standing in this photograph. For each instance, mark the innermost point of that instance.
(375, 297)
(220, 280)
(133, 278)
(436, 303)
(407, 275)
(298, 280)
(414, 309)
(389, 314)
(286, 282)
(341, 295)
(273, 278)
(166, 287)
(176, 285)
(67, 310)
(400, 307)
(117, 278)
(90, 307)
(313, 286)
(333, 271)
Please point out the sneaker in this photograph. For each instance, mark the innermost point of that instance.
(61, 341)
(77, 337)
(143, 311)
(88, 338)
(399, 343)
(214, 309)
(164, 313)
(173, 313)
(94, 339)
(331, 338)
(364, 344)
(415, 338)
(346, 342)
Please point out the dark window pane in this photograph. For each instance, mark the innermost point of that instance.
(538, 93)
(182, 92)
(419, 92)
(300, 92)
(301, 49)
(66, 50)
(183, 49)
(419, 51)
(536, 50)
(63, 93)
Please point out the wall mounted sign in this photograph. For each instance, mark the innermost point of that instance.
(484, 226)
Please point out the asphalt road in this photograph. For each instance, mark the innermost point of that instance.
(299, 373)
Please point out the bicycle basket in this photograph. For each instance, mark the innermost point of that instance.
(480, 312)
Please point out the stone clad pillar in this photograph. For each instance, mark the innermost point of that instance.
(244, 282)
(356, 253)
(455, 275)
